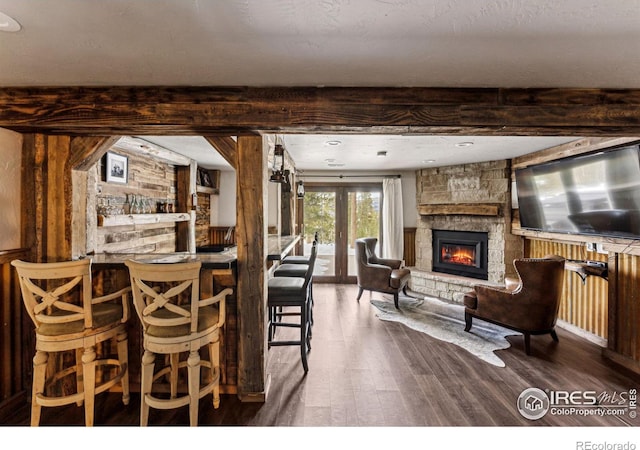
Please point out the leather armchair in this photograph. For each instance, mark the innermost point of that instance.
(528, 305)
(379, 274)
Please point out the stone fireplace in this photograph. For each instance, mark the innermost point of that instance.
(474, 198)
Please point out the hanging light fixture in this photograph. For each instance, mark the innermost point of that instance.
(300, 189)
(278, 174)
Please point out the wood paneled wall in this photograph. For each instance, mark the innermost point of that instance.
(623, 345)
(153, 180)
(17, 341)
(410, 247)
(217, 235)
(203, 219)
(583, 305)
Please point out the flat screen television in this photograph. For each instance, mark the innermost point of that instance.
(593, 194)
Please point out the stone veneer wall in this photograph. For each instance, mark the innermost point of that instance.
(479, 183)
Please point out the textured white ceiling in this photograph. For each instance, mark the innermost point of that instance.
(452, 43)
(446, 43)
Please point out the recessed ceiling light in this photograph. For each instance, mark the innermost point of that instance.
(333, 143)
(464, 144)
(8, 24)
(329, 160)
(381, 154)
(428, 161)
(336, 165)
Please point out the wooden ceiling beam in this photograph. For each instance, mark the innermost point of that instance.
(227, 148)
(224, 111)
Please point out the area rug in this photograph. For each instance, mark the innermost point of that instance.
(445, 321)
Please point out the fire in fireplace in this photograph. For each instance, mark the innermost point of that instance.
(461, 253)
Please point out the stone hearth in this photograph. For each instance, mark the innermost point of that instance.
(485, 190)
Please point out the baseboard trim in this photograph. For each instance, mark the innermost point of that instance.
(601, 342)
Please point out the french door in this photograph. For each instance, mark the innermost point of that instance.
(340, 214)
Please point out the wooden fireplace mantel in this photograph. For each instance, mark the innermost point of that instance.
(470, 209)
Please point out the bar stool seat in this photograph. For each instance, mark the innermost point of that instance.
(291, 270)
(296, 259)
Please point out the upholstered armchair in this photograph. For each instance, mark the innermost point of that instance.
(528, 305)
(379, 274)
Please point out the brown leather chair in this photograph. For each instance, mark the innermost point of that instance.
(379, 274)
(529, 305)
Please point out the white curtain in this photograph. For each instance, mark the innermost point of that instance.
(392, 221)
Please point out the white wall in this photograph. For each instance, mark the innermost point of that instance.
(223, 206)
(10, 162)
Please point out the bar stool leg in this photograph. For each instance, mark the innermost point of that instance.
(303, 335)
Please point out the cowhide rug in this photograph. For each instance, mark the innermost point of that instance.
(445, 321)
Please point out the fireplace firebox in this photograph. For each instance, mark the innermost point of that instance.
(461, 253)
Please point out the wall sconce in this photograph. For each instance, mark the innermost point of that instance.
(300, 189)
(278, 175)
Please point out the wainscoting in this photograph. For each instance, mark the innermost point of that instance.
(17, 343)
(583, 305)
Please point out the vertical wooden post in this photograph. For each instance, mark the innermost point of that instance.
(251, 230)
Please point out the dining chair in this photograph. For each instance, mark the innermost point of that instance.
(176, 324)
(68, 318)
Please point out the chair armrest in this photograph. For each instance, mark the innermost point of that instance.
(375, 276)
(122, 294)
(495, 302)
(220, 300)
(393, 263)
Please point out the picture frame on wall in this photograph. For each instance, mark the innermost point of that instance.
(116, 168)
(205, 179)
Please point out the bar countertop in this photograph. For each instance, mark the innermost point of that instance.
(222, 260)
(278, 247)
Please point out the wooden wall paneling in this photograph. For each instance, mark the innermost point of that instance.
(627, 309)
(410, 246)
(185, 194)
(251, 230)
(218, 235)
(203, 220)
(623, 345)
(583, 305)
(17, 346)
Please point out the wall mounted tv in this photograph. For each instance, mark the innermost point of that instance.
(593, 194)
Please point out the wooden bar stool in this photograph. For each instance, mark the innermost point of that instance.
(58, 297)
(177, 323)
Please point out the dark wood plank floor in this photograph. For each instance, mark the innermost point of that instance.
(368, 373)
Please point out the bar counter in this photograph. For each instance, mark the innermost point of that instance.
(219, 271)
(221, 260)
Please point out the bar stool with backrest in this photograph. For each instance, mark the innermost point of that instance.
(177, 323)
(291, 297)
(299, 259)
(67, 317)
(297, 266)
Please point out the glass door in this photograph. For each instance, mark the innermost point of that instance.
(340, 214)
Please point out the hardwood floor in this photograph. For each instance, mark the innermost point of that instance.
(364, 372)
